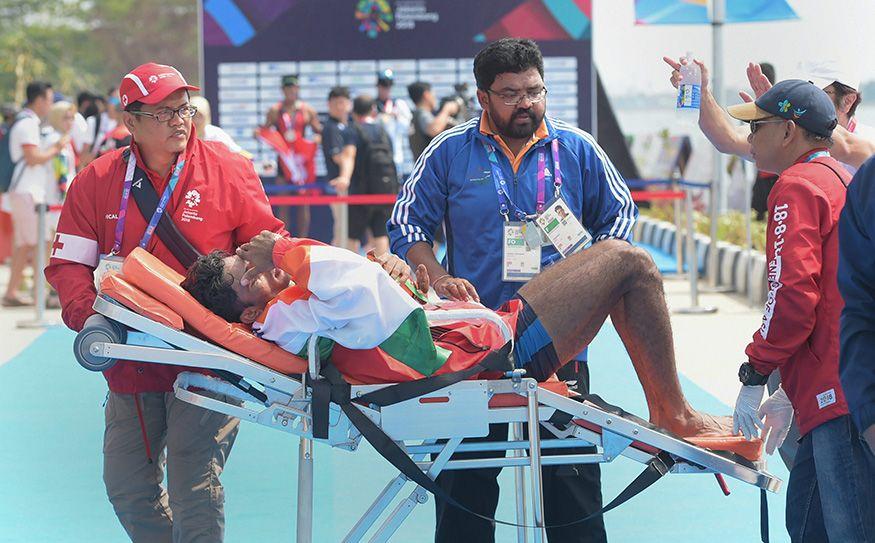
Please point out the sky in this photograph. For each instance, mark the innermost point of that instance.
(629, 57)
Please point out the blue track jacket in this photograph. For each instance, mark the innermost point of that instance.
(856, 277)
(452, 182)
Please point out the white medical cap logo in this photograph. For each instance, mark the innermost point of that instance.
(153, 79)
(125, 100)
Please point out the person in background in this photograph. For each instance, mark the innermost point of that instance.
(426, 124)
(395, 116)
(374, 173)
(338, 151)
(291, 117)
(31, 154)
(118, 136)
(207, 131)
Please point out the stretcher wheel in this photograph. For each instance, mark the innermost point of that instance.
(97, 329)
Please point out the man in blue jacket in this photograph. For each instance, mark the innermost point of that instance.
(495, 183)
(856, 278)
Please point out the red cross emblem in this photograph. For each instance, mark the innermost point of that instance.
(57, 245)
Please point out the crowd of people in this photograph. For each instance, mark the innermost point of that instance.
(492, 181)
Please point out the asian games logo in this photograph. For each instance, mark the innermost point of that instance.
(192, 198)
(374, 16)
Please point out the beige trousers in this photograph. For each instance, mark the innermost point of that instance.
(197, 443)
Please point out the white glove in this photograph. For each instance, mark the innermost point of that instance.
(778, 413)
(746, 417)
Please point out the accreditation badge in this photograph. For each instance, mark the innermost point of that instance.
(520, 261)
(562, 228)
(107, 263)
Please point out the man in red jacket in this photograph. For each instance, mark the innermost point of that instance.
(166, 180)
(827, 498)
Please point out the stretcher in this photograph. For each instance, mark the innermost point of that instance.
(144, 315)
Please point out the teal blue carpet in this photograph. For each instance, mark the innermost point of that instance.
(51, 488)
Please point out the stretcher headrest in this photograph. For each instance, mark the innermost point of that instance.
(145, 272)
(114, 285)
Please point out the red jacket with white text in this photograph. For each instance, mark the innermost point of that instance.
(218, 203)
(799, 335)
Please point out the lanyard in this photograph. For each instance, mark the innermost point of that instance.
(159, 211)
(817, 154)
(504, 201)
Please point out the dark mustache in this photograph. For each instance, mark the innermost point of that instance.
(525, 112)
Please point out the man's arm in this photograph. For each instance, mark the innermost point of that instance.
(856, 278)
(418, 213)
(608, 209)
(345, 160)
(851, 148)
(442, 120)
(75, 253)
(714, 122)
(315, 123)
(795, 258)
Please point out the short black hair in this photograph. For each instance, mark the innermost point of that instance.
(363, 105)
(208, 283)
(83, 97)
(37, 89)
(338, 92)
(507, 55)
(417, 90)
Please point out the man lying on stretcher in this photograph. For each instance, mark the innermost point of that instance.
(288, 289)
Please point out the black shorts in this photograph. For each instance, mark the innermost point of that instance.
(364, 218)
(533, 346)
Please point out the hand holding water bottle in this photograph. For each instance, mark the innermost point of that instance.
(676, 75)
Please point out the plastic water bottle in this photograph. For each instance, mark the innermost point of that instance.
(690, 87)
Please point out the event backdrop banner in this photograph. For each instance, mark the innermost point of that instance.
(248, 45)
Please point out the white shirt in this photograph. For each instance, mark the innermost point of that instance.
(397, 125)
(214, 133)
(27, 179)
(107, 125)
(80, 134)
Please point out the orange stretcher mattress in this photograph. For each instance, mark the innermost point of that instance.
(151, 288)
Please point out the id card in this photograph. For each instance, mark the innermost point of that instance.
(520, 262)
(107, 263)
(562, 228)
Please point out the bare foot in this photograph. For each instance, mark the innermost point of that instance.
(696, 424)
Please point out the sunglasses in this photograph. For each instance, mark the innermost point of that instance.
(754, 125)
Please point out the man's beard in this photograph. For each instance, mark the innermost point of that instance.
(516, 131)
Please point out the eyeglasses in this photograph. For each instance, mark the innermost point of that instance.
(514, 98)
(754, 125)
(166, 115)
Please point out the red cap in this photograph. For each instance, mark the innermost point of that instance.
(150, 83)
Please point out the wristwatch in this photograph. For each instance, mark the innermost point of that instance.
(751, 377)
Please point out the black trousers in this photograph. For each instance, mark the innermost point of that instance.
(571, 492)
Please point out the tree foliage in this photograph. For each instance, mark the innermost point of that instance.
(90, 44)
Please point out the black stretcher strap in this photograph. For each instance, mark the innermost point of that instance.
(332, 388)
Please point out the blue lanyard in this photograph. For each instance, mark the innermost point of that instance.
(817, 154)
(498, 179)
(159, 211)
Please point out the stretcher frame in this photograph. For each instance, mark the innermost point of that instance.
(434, 424)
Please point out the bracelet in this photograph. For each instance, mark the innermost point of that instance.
(435, 282)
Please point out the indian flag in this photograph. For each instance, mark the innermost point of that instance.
(347, 299)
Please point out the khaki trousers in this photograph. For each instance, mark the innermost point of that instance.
(197, 443)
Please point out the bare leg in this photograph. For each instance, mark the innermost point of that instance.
(18, 262)
(303, 221)
(574, 298)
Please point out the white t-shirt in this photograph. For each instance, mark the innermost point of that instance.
(79, 134)
(107, 125)
(214, 133)
(27, 179)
